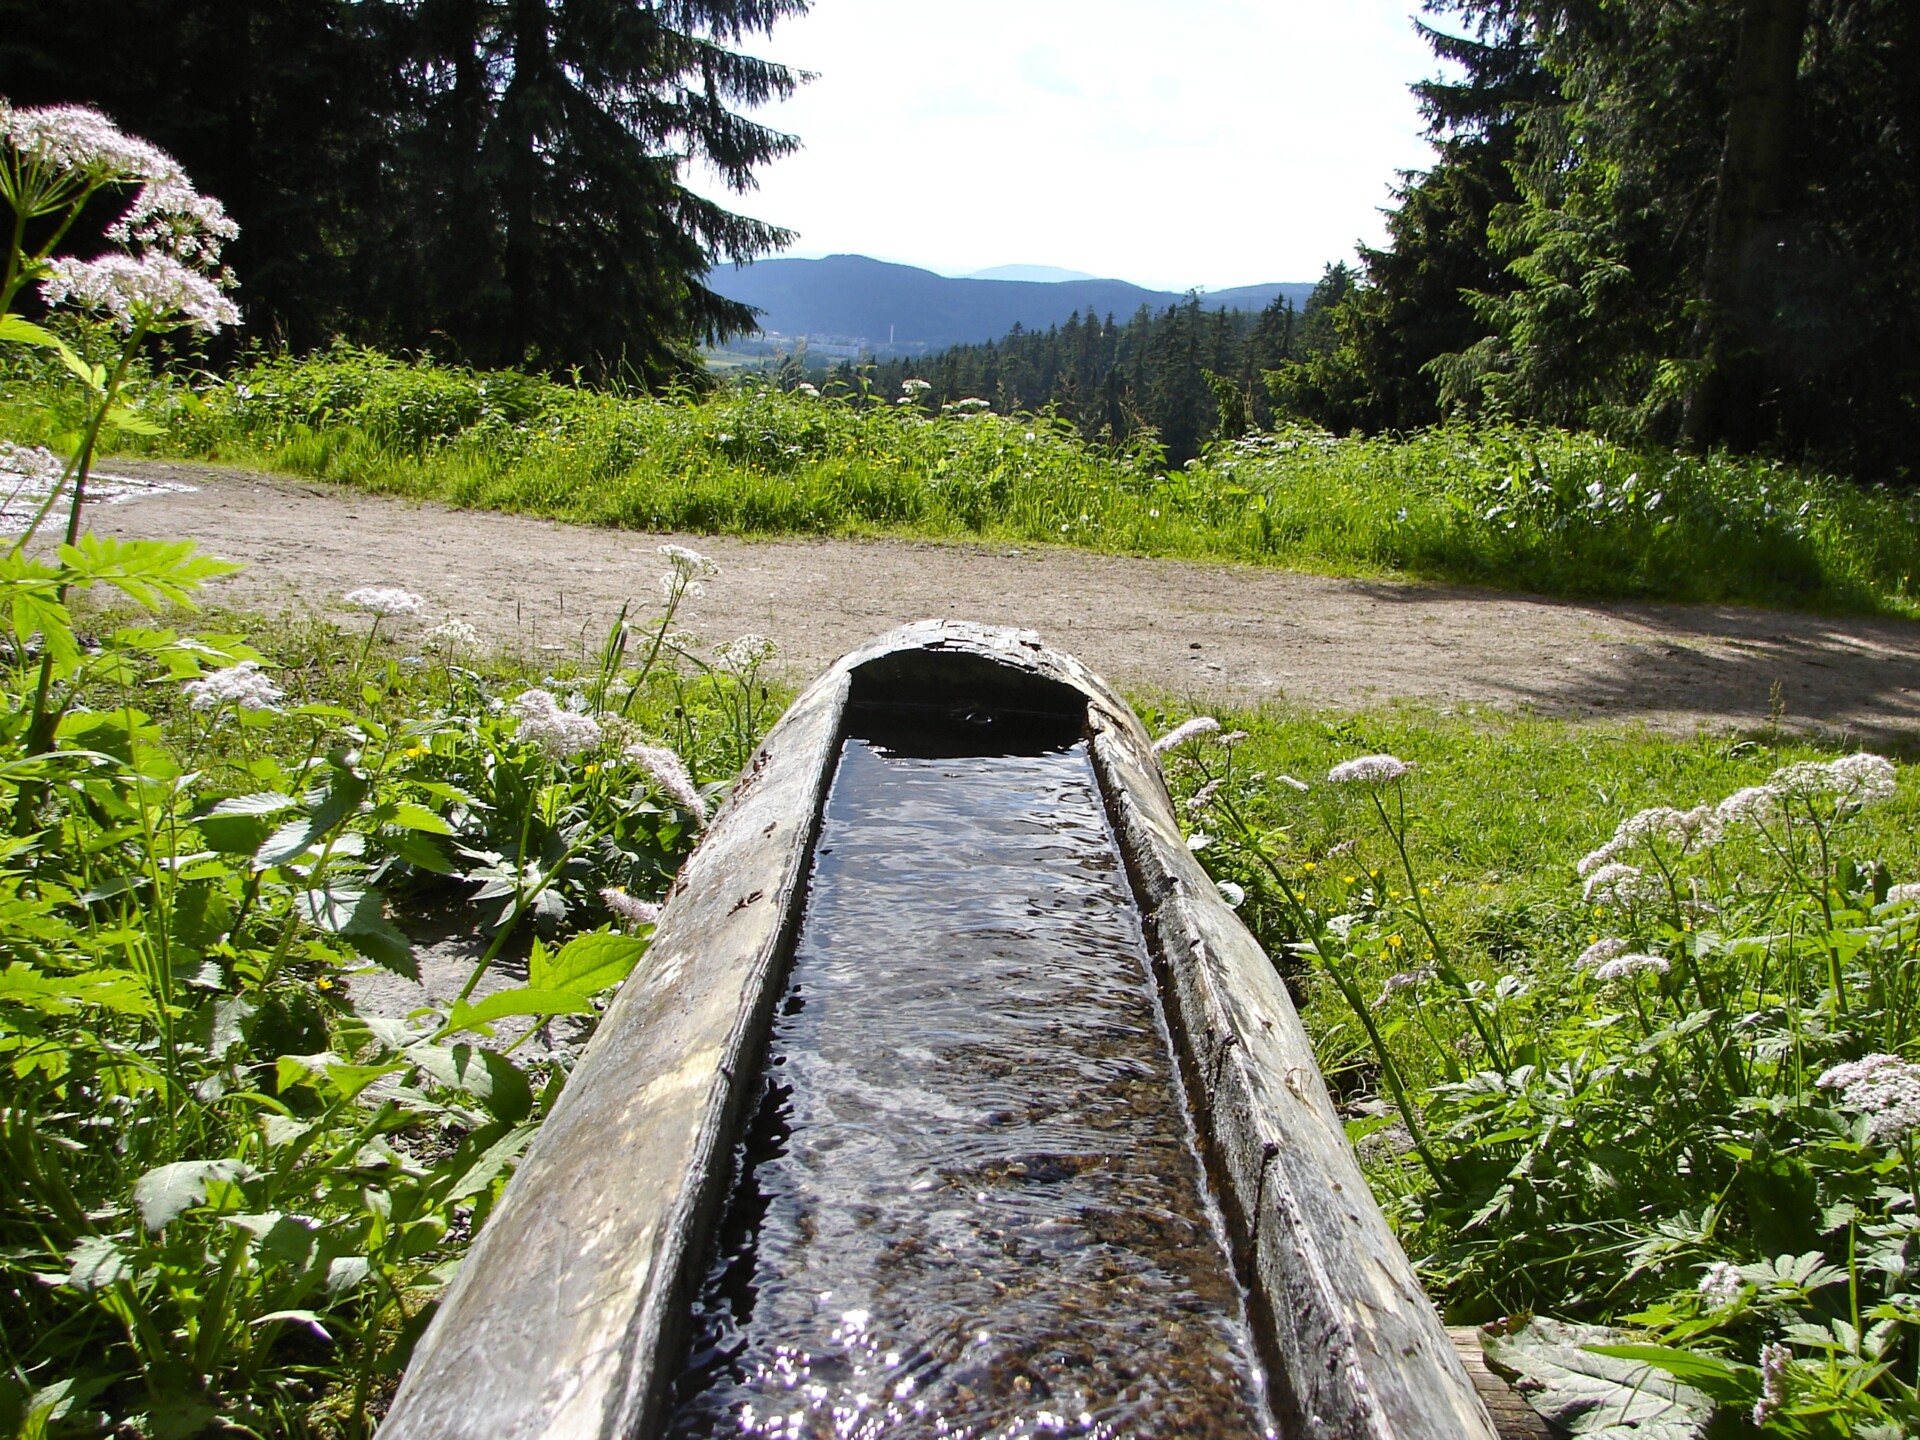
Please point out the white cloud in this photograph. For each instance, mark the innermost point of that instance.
(1217, 143)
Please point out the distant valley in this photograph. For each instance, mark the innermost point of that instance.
(846, 305)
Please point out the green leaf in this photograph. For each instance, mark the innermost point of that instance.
(1727, 1381)
(420, 852)
(288, 843)
(164, 1192)
(524, 1001)
(147, 572)
(97, 1264)
(132, 422)
(263, 802)
(409, 815)
(25, 332)
(586, 964)
(1593, 1395)
(492, 1161)
(492, 1079)
(115, 990)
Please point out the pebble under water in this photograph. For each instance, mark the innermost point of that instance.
(970, 1203)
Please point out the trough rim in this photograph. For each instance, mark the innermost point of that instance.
(568, 1316)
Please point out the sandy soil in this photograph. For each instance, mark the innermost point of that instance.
(1199, 632)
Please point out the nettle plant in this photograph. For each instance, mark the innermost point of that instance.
(1694, 1140)
(233, 1196)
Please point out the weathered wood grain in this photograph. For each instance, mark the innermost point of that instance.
(568, 1316)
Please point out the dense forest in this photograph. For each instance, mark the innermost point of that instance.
(1187, 375)
(498, 181)
(1694, 225)
(1679, 224)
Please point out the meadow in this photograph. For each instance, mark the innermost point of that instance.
(1545, 511)
(1618, 1019)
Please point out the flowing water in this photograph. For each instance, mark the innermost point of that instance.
(970, 1203)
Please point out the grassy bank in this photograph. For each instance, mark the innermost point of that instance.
(1627, 1031)
(1541, 511)
(205, 856)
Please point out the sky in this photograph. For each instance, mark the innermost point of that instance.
(1205, 143)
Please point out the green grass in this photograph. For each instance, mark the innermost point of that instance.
(1541, 511)
(1502, 807)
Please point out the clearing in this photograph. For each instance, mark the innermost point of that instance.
(1199, 633)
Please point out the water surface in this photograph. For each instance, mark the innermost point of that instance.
(971, 1204)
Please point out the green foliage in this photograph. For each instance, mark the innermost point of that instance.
(1543, 510)
(497, 176)
(237, 1195)
(1658, 222)
(1635, 1102)
(1182, 378)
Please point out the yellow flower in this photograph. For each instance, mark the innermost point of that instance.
(414, 752)
(1309, 867)
(1394, 942)
(1348, 879)
(321, 982)
(592, 767)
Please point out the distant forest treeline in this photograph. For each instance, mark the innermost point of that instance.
(1693, 225)
(1187, 374)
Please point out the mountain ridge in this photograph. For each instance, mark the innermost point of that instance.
(891, 309)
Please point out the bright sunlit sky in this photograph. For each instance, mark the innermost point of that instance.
(1198, 143)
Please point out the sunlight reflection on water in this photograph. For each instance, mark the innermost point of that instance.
(974, 1207)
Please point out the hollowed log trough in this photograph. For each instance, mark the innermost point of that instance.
(569, 1316)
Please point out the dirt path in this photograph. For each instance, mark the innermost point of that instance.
(1201, 632)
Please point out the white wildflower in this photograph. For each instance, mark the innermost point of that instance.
(1235, 895)
(1907, 894)
(1199, 841)
(1862, 779)
(1341, 926)
(1182, 734)
(455, 633)
(34, 467)
(1721, 1284)
(1232, 738)
(170, 215)
(915, 388)
(1369, 770)
(670, 776)
(1754, 805)
(1625, 967)
(1882, 1087)
(1775, 1360)
(1600, 952)
(1203, 797)
(1293, 784)
(242, 685)
(690, 563)
(629, 908)
(682, 580)
(1620, 885)
(385, 600)
(1802, 780)
(153, 290)
(1682, 830)
(76, 138)
(556, 730)
(746, 652)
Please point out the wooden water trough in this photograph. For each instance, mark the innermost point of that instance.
(569, 1318)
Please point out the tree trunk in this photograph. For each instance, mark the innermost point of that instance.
(1754, 188)
(522, 114)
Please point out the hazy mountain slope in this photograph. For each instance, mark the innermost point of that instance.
(900, 306)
